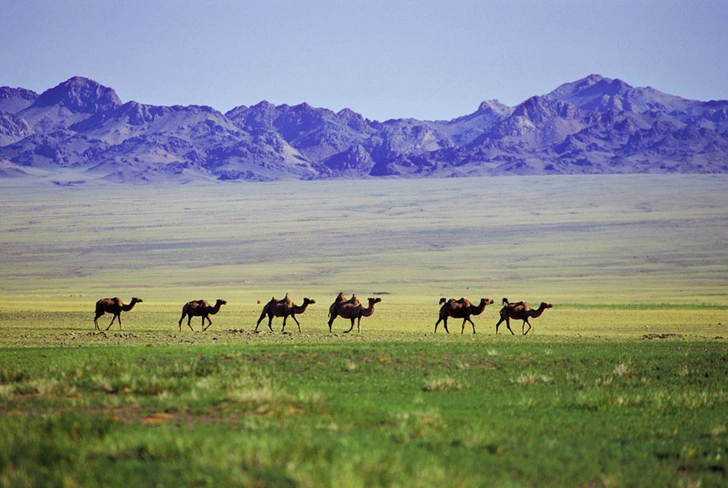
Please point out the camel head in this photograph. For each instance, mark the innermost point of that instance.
(546, 305)
(487, 301)
(136, 300)
(372, 301)
(309, 301)
(221, 302)
(505, 301)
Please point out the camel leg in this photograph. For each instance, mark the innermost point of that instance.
(358, 325)
(498, 324)
(189, 323)
(209, 323)
(112, 322)
(352, 326)
(508, 324)
(96, 323)
(259, 320)
(331, 321)
(471, 323)
(294, 319)
(524, 325)
(444, 324)
(270, 322)
(297, 322)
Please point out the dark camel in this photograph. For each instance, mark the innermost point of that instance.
(341, 301)
(114, 306)
(200, 308)
(350, 309)
(460, 309)
(520, 311)
(283, 308)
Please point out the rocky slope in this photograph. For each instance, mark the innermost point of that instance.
(594, 125)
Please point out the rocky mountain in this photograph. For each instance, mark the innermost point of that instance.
(590, 126)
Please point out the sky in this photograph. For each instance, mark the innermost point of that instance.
(426, 59)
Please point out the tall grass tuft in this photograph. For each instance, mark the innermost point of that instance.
(444, 384)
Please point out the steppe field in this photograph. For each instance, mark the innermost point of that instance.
(622, 383)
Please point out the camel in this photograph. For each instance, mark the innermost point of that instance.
(200, 308)
(520, 311)
(460, 309)
(114, 306)
(283, 308)
(340, 300)
(350, 309)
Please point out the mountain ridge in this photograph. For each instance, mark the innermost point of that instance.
(595, 125)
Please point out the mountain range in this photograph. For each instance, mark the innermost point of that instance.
(595, 125)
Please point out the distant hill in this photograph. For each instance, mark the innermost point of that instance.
(595, 125)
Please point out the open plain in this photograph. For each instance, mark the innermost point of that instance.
(621, 383)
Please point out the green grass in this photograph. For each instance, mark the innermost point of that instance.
(377, 413)
(622, 383)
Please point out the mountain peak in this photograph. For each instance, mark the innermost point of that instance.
(492, 106)
(15, 99)
(601, 94)
(79, 94)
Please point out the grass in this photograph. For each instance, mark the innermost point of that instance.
(622, 383)
(583, 240)
(375, 413)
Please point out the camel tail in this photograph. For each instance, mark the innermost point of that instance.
(505, 301)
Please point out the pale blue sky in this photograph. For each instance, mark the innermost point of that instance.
(428, 59)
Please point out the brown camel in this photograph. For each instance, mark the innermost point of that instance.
(460, 309)
(520, 311)
(200, 308)
(283, 308)
(114, 306)
(350, 309)
(341, 300)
